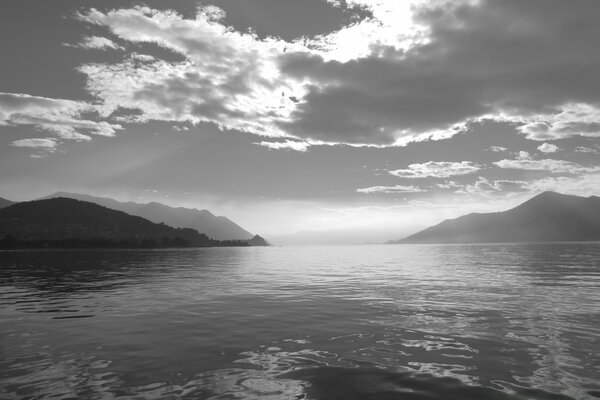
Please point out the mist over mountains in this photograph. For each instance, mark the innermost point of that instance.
(547, 217)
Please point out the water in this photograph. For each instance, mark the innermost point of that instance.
(362, 322)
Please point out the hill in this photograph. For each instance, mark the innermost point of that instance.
(258, 241)
(63, 222)
(5, 203)
(215, 227)
(547, 217)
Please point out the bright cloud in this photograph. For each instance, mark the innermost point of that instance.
(287, 145)
(62, 117)
(581, 185)
(228, 78)
(437, 169)
(47, 143)
(549, 165)
(485, 186)
(569, 120)
(391, 189)
(548, 148)
(392, 25)
(449, 185)
(98, 42)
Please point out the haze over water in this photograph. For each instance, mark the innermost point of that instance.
(362, 322)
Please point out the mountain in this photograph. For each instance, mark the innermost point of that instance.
(64, 222)
(219, 228)
(216, 227)
(547, 217)
(5, 203)
(258, 241)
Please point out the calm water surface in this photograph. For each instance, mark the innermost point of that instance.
(362, 322)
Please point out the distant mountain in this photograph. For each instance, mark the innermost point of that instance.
(63, 222)
(216, 227)
(547, 217)
(258, 241)
(5, 203)
(219, 228)
(336, 237)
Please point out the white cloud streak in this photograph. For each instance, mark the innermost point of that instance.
(547, 164)
(62, 117)
(98, 43)
(484, 186)
(287, 145)
(391, 189)
(581, 185)
(37, 143)
(437, 169)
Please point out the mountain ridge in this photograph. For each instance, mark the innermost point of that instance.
(65, 222)
(546, 217)
(215, 227)
(5, 202)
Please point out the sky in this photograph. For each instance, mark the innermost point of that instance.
(361, 120)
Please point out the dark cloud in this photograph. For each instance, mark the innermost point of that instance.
(290, 19)
(510, 59)
(369, 100)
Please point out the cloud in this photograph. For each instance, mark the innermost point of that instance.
(497, 149)
(391, 189)
(485, 186)
(287, 145)
(530, 63)
(548, 148)
(47, 143)
(550, 165)
(437, 169)
(582, 185)
(391, 25)
(568, 121)
(228, 78)
(64, 118)
(449, 185)
(590, 150)
(414, 71)
(370, 101)
(99, 43)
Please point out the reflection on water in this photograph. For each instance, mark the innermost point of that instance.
(363, 322)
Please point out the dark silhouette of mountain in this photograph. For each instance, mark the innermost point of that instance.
(258, 241)
(5, 203)
(547, 217)
(63, 222)
(219, 228)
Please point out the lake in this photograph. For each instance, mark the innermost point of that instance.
(503, 321)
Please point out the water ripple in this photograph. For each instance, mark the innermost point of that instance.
(364, 322)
